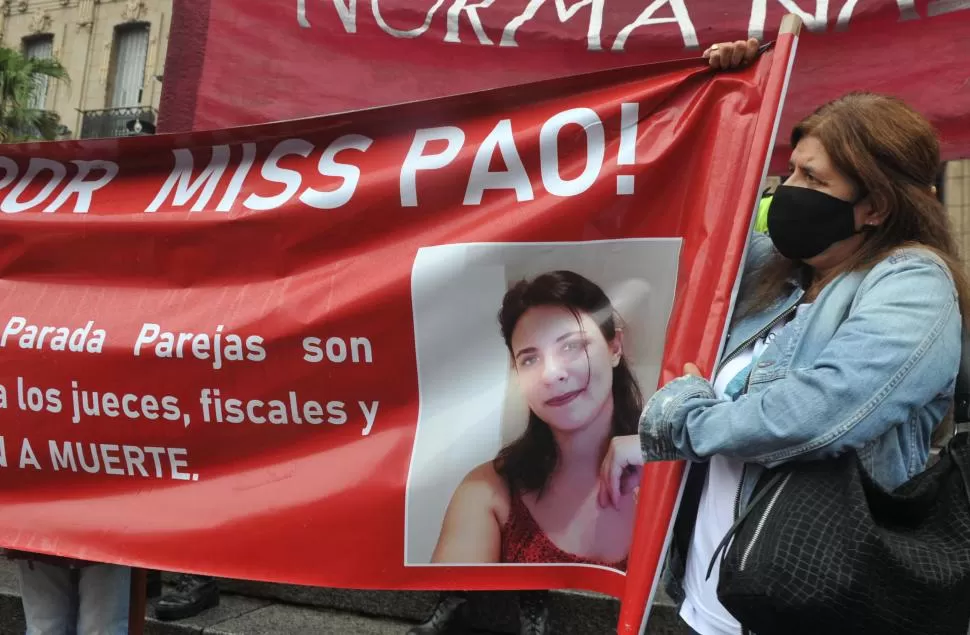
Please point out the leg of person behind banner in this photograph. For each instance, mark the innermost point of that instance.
(139, 602)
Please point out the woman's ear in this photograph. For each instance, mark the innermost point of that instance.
(616, 348)
(867, 215)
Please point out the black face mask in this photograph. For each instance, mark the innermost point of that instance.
(803, 223)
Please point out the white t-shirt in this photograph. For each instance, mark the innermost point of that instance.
(701, 609)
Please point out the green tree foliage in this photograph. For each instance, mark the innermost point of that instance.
(18, 79)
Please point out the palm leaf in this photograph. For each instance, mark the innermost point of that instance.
(18, 80)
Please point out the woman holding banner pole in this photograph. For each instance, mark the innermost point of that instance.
(846, 336)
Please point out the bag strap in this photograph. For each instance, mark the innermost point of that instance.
(722, 547)
(963, 475)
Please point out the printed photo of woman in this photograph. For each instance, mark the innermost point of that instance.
(552, 495)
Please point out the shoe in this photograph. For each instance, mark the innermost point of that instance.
(192, 595)
(533, 616)
(446, 618)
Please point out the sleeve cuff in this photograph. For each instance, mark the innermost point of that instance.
(663, 414)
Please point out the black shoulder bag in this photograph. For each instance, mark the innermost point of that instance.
(822, 549)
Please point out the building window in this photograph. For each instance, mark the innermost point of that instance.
(956, 193)
(39, 47)
(130, 57)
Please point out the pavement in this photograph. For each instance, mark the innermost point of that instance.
(250, 608)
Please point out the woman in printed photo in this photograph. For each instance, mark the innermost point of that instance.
(546, 497)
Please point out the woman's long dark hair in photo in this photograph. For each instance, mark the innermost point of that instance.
(527, 463)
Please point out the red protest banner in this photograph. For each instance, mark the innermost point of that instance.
(273, 352)
(314, 57)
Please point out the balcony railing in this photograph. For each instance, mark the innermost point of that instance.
(116, 122)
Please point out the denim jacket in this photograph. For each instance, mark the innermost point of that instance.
(870, 366)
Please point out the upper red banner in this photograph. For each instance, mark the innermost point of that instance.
(234, 62)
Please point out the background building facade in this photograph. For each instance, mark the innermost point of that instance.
(114, 53)
(956, 193)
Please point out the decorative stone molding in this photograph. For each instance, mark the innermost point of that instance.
(105, 63)
(40, 22)
(85, 14)
(133, 10)
(150, 58)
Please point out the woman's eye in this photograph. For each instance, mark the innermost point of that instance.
(572, 345)
(525, 362)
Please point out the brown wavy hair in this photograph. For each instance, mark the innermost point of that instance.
(527, 463)
(892, 156)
